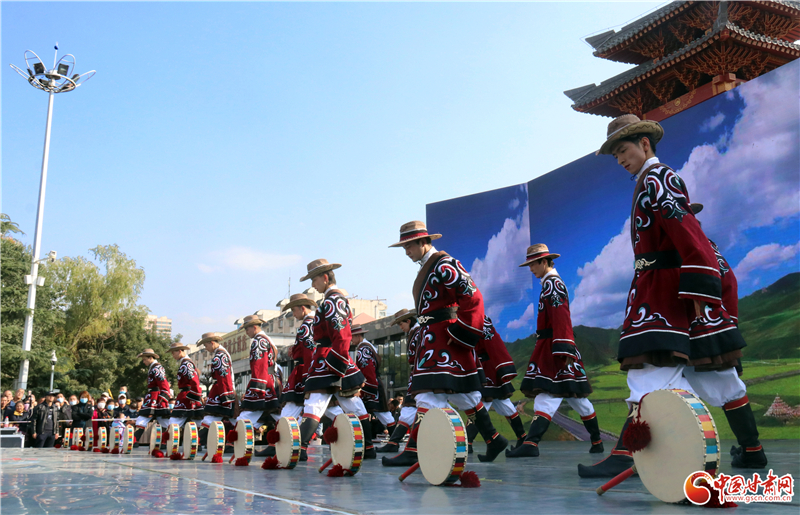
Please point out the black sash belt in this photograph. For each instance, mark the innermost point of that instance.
(324, 342)
(440, 315)
(657, 260)
(544, 334)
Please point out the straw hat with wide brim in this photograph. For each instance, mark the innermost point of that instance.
(299, 299)
(696, 207)
(178, 346)
(147, 353)
(628, 125)
(536, 252)
(319, 266)
(403, 314)
(414, 231)
(251, 320)
(357, 329)
(210, 337)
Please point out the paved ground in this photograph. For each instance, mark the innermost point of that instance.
(40, 481)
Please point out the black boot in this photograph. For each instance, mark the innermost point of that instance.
(369, 448)
(393, 445)
(516, 424)
(593, 427)
(617, 462)
(750, 454)
(136, 436)
(202, 436)
(472, 432)
(530, 447)
(495, 442)
(269, 451)
(308, 428)
(409, 455)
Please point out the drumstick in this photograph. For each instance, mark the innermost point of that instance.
(617, 480)
(231, 460)
(325, 465)
(413, 468)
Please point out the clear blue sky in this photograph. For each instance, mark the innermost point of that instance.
(225, 145)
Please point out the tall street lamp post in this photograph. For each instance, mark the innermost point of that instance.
(55, 80)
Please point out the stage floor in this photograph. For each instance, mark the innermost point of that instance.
(40, 481)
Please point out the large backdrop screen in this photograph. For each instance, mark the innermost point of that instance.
(739, 156)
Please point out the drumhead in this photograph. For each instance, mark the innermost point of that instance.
(215, 441)
(190, 440)
(287, 450)
(155, 437)
(684, 440)
(128, 439)
(348, 449)
(77, 434)
(442, 446)
(243, 446)
(173, 439)
(88, 441)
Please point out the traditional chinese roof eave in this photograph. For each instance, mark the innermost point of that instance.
(639, 28)
(591, 97)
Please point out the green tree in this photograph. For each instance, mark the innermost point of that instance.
(48, 317)
(7, 226)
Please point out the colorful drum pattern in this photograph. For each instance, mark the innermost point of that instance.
(128, 440)
(348, 449)
(88, 439)
(190, 440)
(174, 439)
(102, 437)
(243, 446)
(287, 450)
(77, 434)
(216, 439)
(67, 438)
(155, 437)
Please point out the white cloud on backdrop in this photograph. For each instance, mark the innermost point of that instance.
(600, 296)
(765, 257)
(247, 259)
(758, 173)
(526, 320)
(498, 275)
(753, 169)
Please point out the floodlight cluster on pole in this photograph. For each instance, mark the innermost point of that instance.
(61, 78)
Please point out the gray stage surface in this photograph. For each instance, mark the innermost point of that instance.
(38, 481)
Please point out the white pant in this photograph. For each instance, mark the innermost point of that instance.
(143, 421)
(252, 416)
(716, 387)
(291, 409)
(503, 407)
(385, 417)
(177, 420)
(317, 405)
(333, 411)
(462, 401)
(407, 415)
(548, 403)
(210, 419)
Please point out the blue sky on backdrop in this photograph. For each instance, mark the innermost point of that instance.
(225, 145)
(739, 157)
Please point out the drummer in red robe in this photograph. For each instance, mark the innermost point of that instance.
(189, 401)
(555, 371)
(372, 393)
(332, 372)
(156, 401)
(498, 372)
(221, 397)
(261, 397)
(407, 320)
(450, 312)
(676, 328)
(293, 392)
